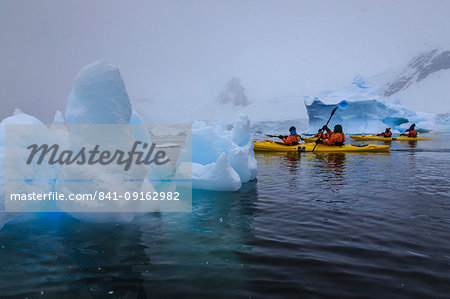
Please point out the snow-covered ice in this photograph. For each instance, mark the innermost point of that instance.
(98, 96)
(217, 176)
(40, 132)
(222, 160)
(367, 112)
(209, 142)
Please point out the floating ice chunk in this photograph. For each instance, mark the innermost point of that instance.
(98, 96)
(17, 146)
(243, 163)
(211, 144)
(241, 130)
(217, 176)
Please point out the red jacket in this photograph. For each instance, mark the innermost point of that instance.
(386, 134)
(412, 133)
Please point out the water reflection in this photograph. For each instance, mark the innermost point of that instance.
(412, 143)
(334, 164)
(291, 162)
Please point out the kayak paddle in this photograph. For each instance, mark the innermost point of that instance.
(276, 136)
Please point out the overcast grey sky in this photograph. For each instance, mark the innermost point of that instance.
(187, 50)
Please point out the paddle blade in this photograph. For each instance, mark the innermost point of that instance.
(343, 104)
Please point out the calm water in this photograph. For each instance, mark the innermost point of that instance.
(372, 225)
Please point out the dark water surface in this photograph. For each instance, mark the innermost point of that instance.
(312, 225)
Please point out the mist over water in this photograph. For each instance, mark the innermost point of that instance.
(184, 52)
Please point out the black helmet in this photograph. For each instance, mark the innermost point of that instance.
(412, 126)
(337, 129)
(292, 129)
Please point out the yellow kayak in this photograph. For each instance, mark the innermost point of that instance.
(309, 139)
(380, 138)
(273, 146)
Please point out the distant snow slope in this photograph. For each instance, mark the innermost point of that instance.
(417, 93)
(423, 84)
(431, 94)
(418, 69)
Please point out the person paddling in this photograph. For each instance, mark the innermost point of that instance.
(335, 137)
(293, 138)
(411, 132)
(319, 133)
(386, 133)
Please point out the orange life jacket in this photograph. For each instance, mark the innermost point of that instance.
(386, 134)
(412, 133)
(318, 134)
(335, 139)
(291, 139)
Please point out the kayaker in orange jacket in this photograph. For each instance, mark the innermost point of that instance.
(386, 133)
(319, 133)
(335, 137)
(293, 138)
(411, 132)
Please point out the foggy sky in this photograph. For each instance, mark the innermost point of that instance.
(187, 50)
